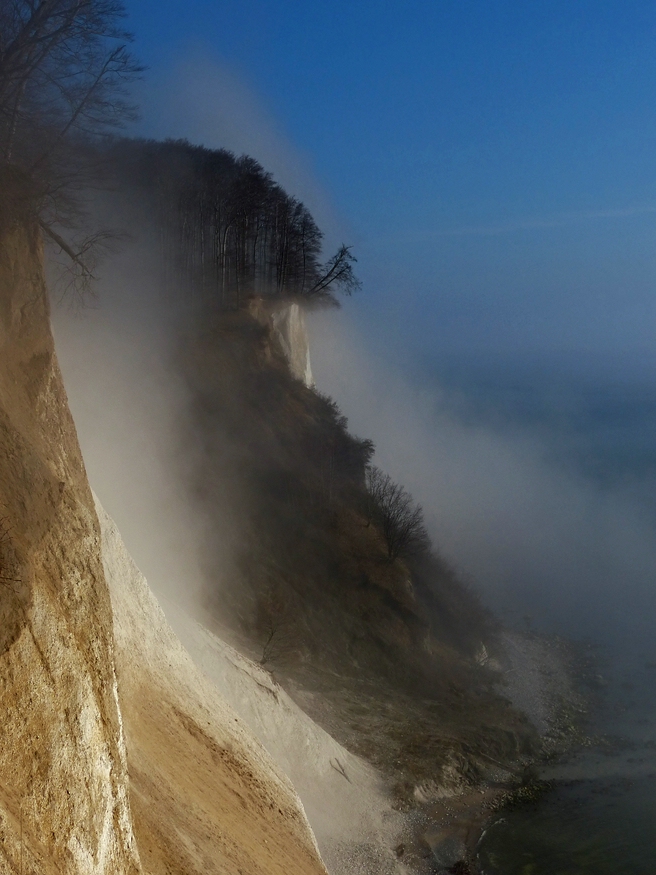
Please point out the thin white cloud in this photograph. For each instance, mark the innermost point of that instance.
(529, 224)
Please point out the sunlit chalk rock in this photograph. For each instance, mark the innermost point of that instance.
(186, 691)
(206, 796)
(64, 798)
(289, 326)
(287, 323)
(346, 800)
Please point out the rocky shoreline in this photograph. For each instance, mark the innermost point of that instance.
(545, 678)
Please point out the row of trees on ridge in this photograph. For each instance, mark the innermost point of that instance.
(226, 230)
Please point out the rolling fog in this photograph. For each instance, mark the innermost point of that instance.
(543, 544)
(129, 407)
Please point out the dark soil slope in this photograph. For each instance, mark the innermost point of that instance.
(382, 651)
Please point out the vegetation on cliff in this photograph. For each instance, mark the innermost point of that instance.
(378, 644)
(65, 71)
(319, 561)
(224, 229)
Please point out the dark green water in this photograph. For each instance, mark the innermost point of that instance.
(599, 818)
(595, 827)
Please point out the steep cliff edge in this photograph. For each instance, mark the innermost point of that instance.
(383, 653)
(64, 803)
(187, 789)
(206, 796)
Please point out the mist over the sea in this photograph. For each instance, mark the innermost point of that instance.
(536, 474)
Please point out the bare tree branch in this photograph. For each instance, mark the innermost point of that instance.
(64, 72)
(277, 628)
(76, 257)
(399, 518)
(78, 272)
(340, 769)
(337, 273)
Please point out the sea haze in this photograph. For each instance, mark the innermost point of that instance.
(595, 415)
(596, 423)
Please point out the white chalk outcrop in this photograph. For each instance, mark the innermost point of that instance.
(206, 796)
(343, 796)
(289, 328)
(181, 702)
(286, 320)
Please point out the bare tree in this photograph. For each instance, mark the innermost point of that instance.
(81, 257)
(399, 518)
(228, 231)
(65, 68)
(337, 273)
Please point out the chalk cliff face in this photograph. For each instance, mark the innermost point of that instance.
(346, 800)
(207, 797)
(287, 323)
(90, 695)
(64, 802)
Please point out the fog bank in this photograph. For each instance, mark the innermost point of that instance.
(537, 541)
(129, 404)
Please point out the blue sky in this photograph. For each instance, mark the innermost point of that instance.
(493, 163)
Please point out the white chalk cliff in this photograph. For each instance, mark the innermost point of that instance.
(206, 796)
(118, 756)
(287, 323)
(201, 718)
(289, 328)
(64, 794)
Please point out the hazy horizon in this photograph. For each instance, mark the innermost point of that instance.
(493, 165)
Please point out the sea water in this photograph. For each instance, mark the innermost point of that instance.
(598, 426)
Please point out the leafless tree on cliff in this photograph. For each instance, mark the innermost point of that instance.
(227, 230)
(400, 520)
(65, 69)
(338, 274)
